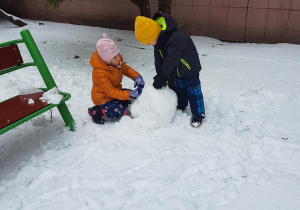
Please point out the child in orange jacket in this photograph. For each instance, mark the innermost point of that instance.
(110, 99)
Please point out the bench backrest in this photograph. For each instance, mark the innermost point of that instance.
(10, 57)
(38, 60)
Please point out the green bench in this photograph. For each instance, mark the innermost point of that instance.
(21, 108)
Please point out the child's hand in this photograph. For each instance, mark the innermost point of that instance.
(160, 80)
(135, 93)
(138, 81)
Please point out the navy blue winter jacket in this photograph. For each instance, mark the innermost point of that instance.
(174, 50)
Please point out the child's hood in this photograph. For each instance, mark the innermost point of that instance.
(167, 22)
(97, 63)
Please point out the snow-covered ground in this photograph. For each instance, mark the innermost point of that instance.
(245, 156)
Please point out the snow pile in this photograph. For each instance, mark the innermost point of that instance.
(245, 156)
(51, 96)
(14, 17)
(30, 101)
(155, 107)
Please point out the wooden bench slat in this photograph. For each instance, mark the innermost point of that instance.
(10, 56)
(18, 107)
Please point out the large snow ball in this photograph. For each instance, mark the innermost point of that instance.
(154, 107)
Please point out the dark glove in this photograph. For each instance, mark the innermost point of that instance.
(138, 81)
(160, 80)
(135, 93)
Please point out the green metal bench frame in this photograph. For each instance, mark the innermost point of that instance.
(39, 62)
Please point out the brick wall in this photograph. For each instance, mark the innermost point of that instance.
(269, 21)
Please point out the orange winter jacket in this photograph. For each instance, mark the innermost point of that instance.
(107, 80)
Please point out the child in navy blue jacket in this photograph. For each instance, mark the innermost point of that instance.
(174, 51)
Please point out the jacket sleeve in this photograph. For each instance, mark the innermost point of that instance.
(172, 55)
(105, 84)
(128, 71)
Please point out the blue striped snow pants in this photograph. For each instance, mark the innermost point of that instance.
(189, 90)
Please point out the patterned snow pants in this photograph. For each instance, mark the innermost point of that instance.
(115, 108)
(189, 90)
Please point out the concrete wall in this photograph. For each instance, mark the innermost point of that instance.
(269, 21)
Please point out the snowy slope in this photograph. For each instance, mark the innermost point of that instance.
(245, 156)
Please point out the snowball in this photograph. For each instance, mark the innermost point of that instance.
(30, 101)
(51, 96)
(155, 107)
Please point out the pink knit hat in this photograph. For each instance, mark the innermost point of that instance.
(106, 49)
